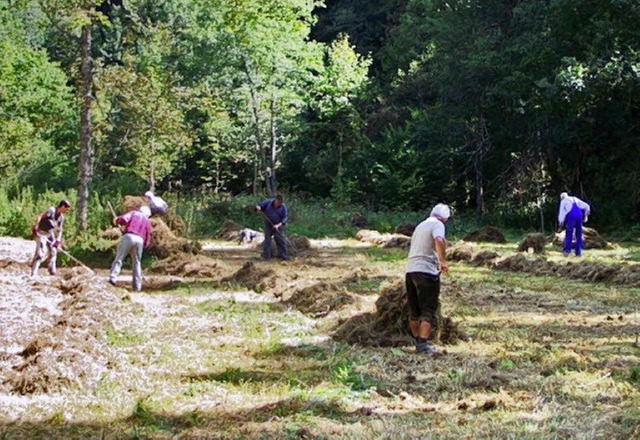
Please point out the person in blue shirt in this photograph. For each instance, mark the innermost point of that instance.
(572, 213)
(275, 218)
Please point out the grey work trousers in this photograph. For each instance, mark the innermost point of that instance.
(130, 244)
(44, 243)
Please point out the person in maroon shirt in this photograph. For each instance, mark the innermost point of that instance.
(136, 237)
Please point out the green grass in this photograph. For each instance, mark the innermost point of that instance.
(544, 361)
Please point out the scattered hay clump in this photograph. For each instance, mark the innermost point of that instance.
(405, 229)
(187, 264)
(484, 257)
(251, 276)
(460, 251)
(74, 350)
(385, 240)
(398, 241)
(319, 299)
(389, 325)
(591, 239)
(535, 241)
(229, 231)
(487, 234)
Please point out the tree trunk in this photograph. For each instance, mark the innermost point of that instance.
(272, 183)
(86, 153)
(152, 169)
(261, 155)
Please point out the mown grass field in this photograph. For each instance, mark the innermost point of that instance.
(545, 358)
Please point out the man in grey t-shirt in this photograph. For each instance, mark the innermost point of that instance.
(426, 261)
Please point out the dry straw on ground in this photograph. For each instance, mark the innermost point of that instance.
(591, 239)
(384, 240)
(487, 234)
(188, 265)
(623, 274)
(535, 241)
(320, 298)
(71, 350)
(389, 324)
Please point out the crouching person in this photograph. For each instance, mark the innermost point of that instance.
(47, 232)
(136, 236)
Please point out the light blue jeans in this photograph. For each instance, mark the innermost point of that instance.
(130, 244)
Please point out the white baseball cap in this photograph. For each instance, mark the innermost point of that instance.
(148, 194)
(564, 195)
(441, 210)
(145, 211)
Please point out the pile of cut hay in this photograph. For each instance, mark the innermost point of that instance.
(591, 239)
(389, 324)
(487, 234)
(320, 298)
(535, 241)
(188, 265)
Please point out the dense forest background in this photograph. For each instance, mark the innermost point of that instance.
(493, 106)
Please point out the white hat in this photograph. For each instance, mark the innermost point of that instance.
(564, 195)
(145, 211)
(148, 194)
(441, 210)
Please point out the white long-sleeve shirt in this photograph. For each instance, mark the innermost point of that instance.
(567, 204)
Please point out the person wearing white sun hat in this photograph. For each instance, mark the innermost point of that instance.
(426, 261)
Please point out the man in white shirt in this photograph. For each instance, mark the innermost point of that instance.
(157, 205)
(572, 213)
(426, 261)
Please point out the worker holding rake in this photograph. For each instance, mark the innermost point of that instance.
(47, 232)
(275, 216)
(426, 261)
(136, 237)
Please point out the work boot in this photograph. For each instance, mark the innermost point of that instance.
(425, 348)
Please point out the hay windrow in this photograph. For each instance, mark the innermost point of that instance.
(188, 265)
(251, 276)
(487, 234)
(71, 350)
(319, 299)
(624, 274)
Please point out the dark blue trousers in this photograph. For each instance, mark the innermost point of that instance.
(269, 232)
(573, 225)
